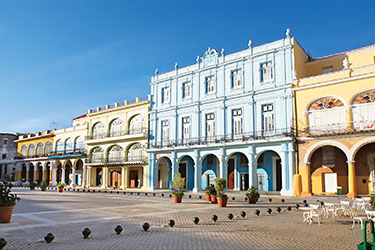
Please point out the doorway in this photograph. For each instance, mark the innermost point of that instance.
(231, 174)
(133, 178)
(278, 175)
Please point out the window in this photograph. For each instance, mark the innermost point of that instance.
(116, 154)
(59, 146)
(136, 152)
(48, 147)
(98, 131)
(5, 141)
(39, 149)
(327, 70)
(165, 95)
(116, 128)
(236, 78)
(97, 155)
(137, 124)
(266, 72)
(78, 144)
(24, 150)
(68, 145)
(185, 128)
(237, 121)
(210, 126)
(165, 131)
(186, 90)
(31, 150)
(210, 85)
(4, 156)
(268, 118)
(328, 156)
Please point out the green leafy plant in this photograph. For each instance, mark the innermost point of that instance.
(43, 184)
(7, 198)
(178, 184)
(33, 184)
(60, 185)
(372, 201)
(253, 192)
(210, 190)
(220, 185)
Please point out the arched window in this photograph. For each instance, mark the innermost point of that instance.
(116, 128)
(48, 147)
(69, 145)
(59, 146)
(97, 155)
(78, 144)
(326, 115)
(31, 150)
(98, 131)
(136, 152)
(39, 149)
(116, 154)
(364, 110)
(24, 150)
(137, 124)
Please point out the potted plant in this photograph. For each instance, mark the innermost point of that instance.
(32, 185)
(222, 198)
(7, 201)
(60, 187)
(208, 192)
(43, 186)
(178, 184)
(252, 195)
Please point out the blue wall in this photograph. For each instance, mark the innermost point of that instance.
(268, 169)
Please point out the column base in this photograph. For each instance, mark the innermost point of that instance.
(351, 195)
(306, 194)
(195, 190)
(150, 188)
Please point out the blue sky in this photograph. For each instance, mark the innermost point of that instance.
(59, 58)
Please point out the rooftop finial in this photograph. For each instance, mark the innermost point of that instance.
(222, 51)
(198, 58)
(156, 71)
(287, 33)
(345, 63)
(249, 43)
(176, 66)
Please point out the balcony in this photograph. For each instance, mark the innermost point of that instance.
(113, 134)
(220, 139)
(68, 152)
(118, 160)
(340, 128)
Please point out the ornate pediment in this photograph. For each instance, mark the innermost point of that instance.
(211, 56)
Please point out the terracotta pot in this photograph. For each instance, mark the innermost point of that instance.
(32, 188)
(6, 214)
(213, 198)
(60, 189)
(252, 199)
(222, 201)
(43, 188)
(208, 197)
(177, 199)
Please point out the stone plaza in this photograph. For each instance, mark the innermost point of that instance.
(67, 214)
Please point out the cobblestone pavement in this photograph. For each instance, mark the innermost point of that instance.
(67, 214)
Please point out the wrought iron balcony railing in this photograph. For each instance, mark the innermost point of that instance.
(68, 151)
(137, 131)
(243, 137)
(339, 128)
(104, 160)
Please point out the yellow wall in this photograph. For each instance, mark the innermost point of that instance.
(34, 141)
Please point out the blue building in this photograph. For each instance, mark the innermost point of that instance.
(226, 116)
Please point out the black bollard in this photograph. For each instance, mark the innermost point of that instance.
(288, 208)
(196, 220)
(230, 216)
(86, 232)
(118, 229)
(270, 200)
(269, 211)
(171, 223)
(214, 217)
(146, 226)
(3, 243)
(278, 209)
(49, 237)
(243, 214)
(282, 200)
(257, 212)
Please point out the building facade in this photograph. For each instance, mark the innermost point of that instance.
(8, 155)
(35, 165)
(226, 116)
(335, 122)
(116, 146)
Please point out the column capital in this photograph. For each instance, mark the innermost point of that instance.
(350, 162)
(306, 163)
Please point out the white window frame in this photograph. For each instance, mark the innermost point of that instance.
(165, 95)
(268, 119)
(237, 122)
(186, 128)
(236, 78)
(210, 125)
(165, 131)
(209, 84)
(186, 90)
(266, 72)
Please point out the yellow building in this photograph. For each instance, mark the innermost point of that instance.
(34, 149)
(334, 120)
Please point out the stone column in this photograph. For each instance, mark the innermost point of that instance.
(223, 167)
(151, 172)
(197, 172)
(89, 177)
(174, 167)
(351, 180)
(123, 170)
(349, 118)
(62, 175)
(84, 176)
(105, 177)
(27, 171)
(304, 171)
(44, 173)
(284, 164)
(126, 177)
(53, 173)
(73, 177)
(252, 168)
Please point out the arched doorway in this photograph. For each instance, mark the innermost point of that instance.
(186, 169)
(115, 178)
(39, 172)
(98, 176)
(329, 170)
(210, 170)
(269, 173)
(238, 171)
(364, 169)
(31, 173)
(58, 172)
(68, 172)
(164, 172)
(79, 172)
(48, 171)
(23, 172)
